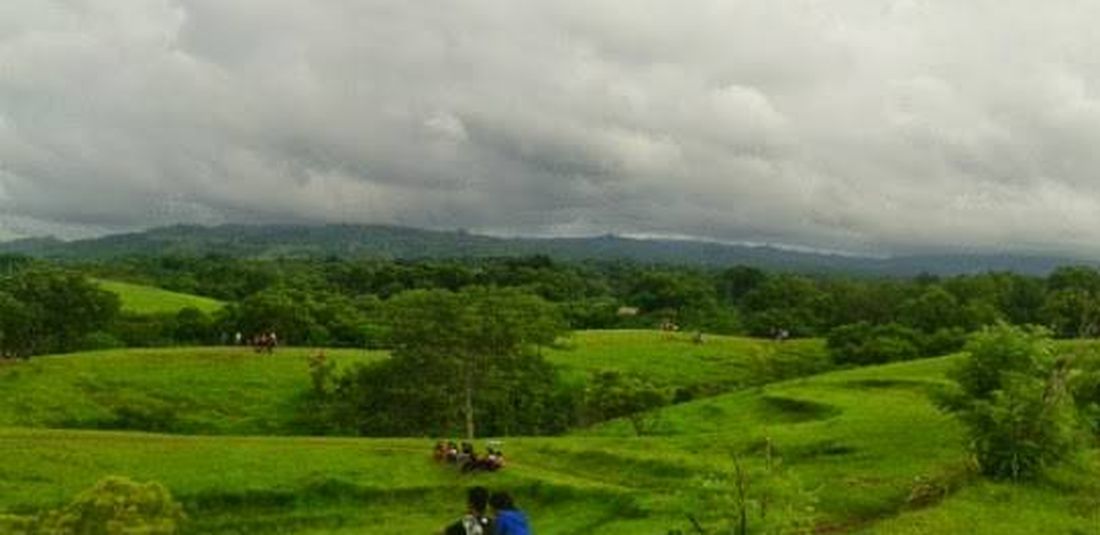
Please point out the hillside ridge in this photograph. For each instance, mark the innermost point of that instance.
(407, 243)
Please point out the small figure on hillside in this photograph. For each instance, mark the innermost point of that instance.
(781, 335)
(238, 338)
(475, 521)
(468, 459)
(494, 460)
(508, 520)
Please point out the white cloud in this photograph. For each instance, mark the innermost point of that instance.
(867, 125)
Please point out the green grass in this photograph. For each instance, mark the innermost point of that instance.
(231, 390)
(141, 299)
(674, 359)
(218, 390)
(854, 441)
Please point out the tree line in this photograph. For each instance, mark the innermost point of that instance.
(339, 302)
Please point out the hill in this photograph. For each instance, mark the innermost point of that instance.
(142, 299)
(380, 241)
(232, 390)
(859, 451)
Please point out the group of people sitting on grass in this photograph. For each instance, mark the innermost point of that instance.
(506, 519)
(265, 342)
(465, 457)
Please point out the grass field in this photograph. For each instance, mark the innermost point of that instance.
(852, 445)
(219, 390)
(232, 390)
(141, 299)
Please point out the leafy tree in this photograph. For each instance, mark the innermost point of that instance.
(1073, 313)
(193, 326)
(17, 338)
(788, 302)
(472, 357)
(736, 282)
(1014, 399)
(934, 309)
(52, 311)
(1072, 307)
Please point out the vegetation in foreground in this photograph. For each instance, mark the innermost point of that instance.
(862, 450)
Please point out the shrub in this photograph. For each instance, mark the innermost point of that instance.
(16, 525)
(786, 361)
(863, 344)
(615, 395)
(117, 506)
(1013, 397)
(101, 340)
(942, 342)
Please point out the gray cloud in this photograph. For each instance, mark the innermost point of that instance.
(858, 125)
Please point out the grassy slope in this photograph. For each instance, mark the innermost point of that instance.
(235, 391)
(212, 390)
(141, 299)
(671, 359)
(858, 438)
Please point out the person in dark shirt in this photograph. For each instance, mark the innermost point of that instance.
(475, 521)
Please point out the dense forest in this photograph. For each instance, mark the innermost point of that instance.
(343, 303)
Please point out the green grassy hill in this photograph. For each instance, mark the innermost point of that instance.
(219, 390)
(232, 390)
(856, 451)
(141, 299)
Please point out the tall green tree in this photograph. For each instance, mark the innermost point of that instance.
(53, 310)
(464, 342)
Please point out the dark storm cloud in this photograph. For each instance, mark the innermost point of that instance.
(857, 125)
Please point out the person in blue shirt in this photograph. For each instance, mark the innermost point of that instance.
(509, 520)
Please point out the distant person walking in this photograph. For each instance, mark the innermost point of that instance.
(508, 520)
(475, 521)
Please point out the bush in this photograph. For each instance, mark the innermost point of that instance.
(863, 344)
(786, 361)
(116, 506)
(16, 525)
(615, 395)
(943, 342)
(1014, 399)
(101, 340)
(1086, 389)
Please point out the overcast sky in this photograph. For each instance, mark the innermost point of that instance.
(860, 125)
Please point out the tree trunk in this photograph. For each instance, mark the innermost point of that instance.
(469, 410)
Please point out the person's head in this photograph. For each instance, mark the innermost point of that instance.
(502, 501)
(477, 499)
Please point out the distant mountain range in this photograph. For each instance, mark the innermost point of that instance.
(380, 241)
